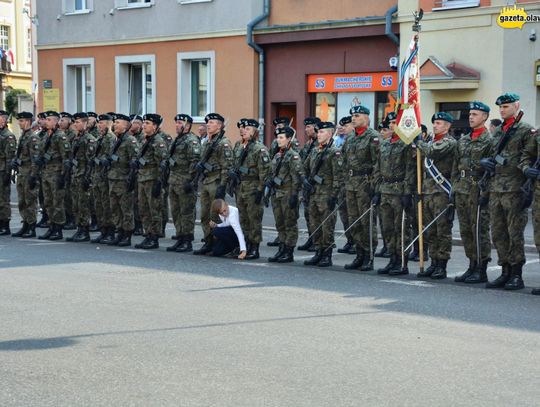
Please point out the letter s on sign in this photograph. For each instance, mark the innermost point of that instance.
(320, 83)
(386, 81)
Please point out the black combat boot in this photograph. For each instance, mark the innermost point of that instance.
(479, 275)
(358, 260)
(70, 223)
(516, 281)
(500, 281)
(400, 269)
(274, 243)
(253, 253)
(138, 228)
(21, 231)
(84, 236)
(126, 239)
(306, 246)
(47, 234)
(469, 272)
(279, 253)
(145, 242)
(176, 245)
(75, 235)
(535, 291)
(346, 248)
(326, 259)
(428, 271)
(31, 232)
(315, 259)
(392, 263)
(206, 248)
(368, 263)
(287, 255)
(93, 224)
(187, 245)
(440, 270)
(109, 236)
(116, 239)
(151, 243)
(383, 252)
(4, 228)
(57, 232)
(44, 221)
(100, 237)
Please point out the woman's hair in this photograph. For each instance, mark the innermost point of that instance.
(217, 205)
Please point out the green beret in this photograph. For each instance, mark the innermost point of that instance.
(442, 116)
(507, 98)
(476, 105)
(359, 109)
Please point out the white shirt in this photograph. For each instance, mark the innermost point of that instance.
(233, 220)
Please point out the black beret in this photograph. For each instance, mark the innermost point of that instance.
(507, 98)
(288, 131)
(442, 116)
(476, 105)
(325, 125)
(390, 116)
(25, 115)
(3, 113)
(92, 114)
(120, 116)
(281, 120)
(183, 117)
(66, 115)
(359, 109)
(135, 117)
(214, 116)
(105, 117)
(345, 120)
(383, 125)
(251, 123)
(241, 123)
(311, 120)
(153, 117)
(52, 113)
(80, 115)
(41, 115)
(112, 114)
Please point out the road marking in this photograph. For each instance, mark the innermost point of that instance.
(46, 243)
(533, 261)
(242, 263)
(405, 282)
(133, 250)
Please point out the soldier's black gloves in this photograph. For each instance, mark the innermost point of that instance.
(105, 163)
(307, 185)
(220, 192)
(233, 176)
(483, 201)
(188, 187)
(376, 200)
(331, 202)
(258, 197)
(32, 182)
(60, 182)
(532, 173)
(488, 164)
(163, 166)
(406, 201)
(293, 201)
(199, 167)
(156, 189)
(134, 164)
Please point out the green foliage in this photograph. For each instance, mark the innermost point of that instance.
(11, 100)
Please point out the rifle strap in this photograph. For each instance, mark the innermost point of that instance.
(322, 158)
(117, 144)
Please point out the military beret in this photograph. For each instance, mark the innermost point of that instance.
(390, 116)
(442, 116)
(507, 98)
(66, 115)
(325, 125)
(24, 115)
(105, 117)
(120, 116)
(311, 120)
(3, 113)
(251, 123)
(41, 115)
(214, 116)
(183, 117)
(345, 120)
(383, 125)
(52, 113)
(80, 115)
(359, 109)
(288, 131)
(92, 114)
(135, 117)
(112, 114)
(153, 117)
(241, 123)
(476, 105)
(281, 120)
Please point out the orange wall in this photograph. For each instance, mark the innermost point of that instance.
(308, 11)
(235, 75)
(428, 5)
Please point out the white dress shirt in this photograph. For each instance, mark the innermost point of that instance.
(233, 220)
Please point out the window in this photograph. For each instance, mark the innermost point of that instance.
(454, 4)
(135, 84)
(196, 78)
(79, 85)
(193, 1)
(4, 37)
(127, 4)
(77, 6)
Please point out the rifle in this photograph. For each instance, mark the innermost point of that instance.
(527, 188)
(141, 162)
(72, 162)
(166, 165)
(234, 175)
(313, 176)
(16, 162)
(203, 165)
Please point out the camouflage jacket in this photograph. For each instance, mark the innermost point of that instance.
(360, 156)
(531, 154)
(8, 147)
(442, 152)
(328, 180)
(182, 161)
(166, 138)
(54, 149)
(153, 151)
(104, 146)
(83, 151)
(127, 149)
(220, 162)
(27, 150)
(94, 131)
(288, 181)
(256, 167)
(274, 147)
(308, 148)
(466, 169)
(396, 168)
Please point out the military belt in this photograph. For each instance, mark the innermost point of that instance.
(360, 173)
(470, 173)
(393, 180)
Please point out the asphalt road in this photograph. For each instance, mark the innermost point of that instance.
(86, 325)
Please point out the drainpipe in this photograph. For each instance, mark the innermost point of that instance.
(249, 37)
(388, 29)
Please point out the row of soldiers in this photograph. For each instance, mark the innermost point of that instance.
(356, 171)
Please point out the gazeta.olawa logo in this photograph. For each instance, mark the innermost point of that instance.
(514, 17)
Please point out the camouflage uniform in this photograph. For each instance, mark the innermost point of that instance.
(27, 176)
(68, 200)
(8, 148)
(100, 184)
(138, 225)
(305, 152)
(165, 194)
(274, 149)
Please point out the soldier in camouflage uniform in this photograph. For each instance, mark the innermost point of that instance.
(216, 161)
(322, 183)
(386, 134)
(165, 194)
(8, 147)
(251, 170)
(120, 165)
(394, 187)
(100, 183)
(285, 183)
(309, 146)
(23, 164)
(183, 155)
(151, 155)
(41, 133)
(83, 150)
(470, 201)
(440, 152)
(360, 155)
(136, 131)
(508, 216)
(93, 130)
(64, 124)
(54, 152)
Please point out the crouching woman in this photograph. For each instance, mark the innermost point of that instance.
(228, 235)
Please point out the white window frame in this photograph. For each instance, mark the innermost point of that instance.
(68, 7)
(457, 4)
(183, 66)
(122, 84)
(124, 5)
(193, 1)
(8, 36)
(70, 103)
